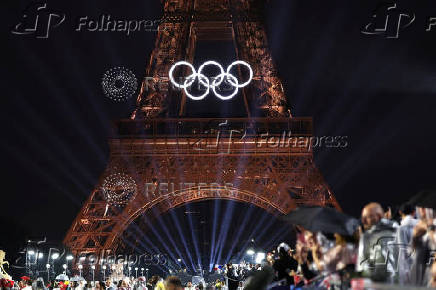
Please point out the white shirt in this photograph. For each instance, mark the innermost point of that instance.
(404, 231)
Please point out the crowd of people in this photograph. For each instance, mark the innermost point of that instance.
(389, 247)
(140, 283)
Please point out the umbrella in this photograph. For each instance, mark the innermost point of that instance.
(323, 219)
(77, 279)
(425, 198)
(62, 277)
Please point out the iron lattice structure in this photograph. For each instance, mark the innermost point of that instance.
(263, 159)
(186, 22)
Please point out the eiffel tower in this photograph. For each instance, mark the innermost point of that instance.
(254, 160)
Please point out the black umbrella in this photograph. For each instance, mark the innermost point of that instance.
(425, 198)
(323, 219)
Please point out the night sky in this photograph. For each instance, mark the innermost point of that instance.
(379, 92)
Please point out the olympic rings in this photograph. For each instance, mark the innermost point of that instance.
(217, 80)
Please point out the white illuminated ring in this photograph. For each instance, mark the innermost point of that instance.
(204, 80)
(228, 77)
(221, 75)
(206, 84)
(185, 84)
(240, 62)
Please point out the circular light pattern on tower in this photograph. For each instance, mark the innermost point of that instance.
(118, 188)
(119, 84)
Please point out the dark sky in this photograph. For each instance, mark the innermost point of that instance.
(379, 92)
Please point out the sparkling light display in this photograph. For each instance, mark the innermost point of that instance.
(216, 80)
(118, 188)
(119, 84)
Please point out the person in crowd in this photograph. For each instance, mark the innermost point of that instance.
(96, 285)
(424, 245)
(151, 284)
(160, 285)
(270, 258)
(232, 277)
(100, 286)
(303, 255)
(373, 250)
(173, 283)
(25, 283)
(140, 284)
(16, 286)
(38, 284)
(400, 250)
(336, 258)
(408, 222)
(109, 285)
(432, 282)
(218, 284)
(285, 266)
(240, 285)
(6, 283)
(189, 286)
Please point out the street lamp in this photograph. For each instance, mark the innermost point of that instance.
(47, 266)
(93, 274)
(142, 271)
(80, 269)
(250, 252)
(113, 270)
(54, 257)
(146, 274)
(136, 270)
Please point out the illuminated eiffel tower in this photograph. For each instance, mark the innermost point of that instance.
(154, 148)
